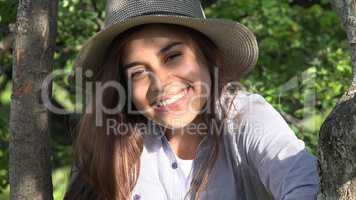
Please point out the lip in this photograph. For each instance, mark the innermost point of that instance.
(167, 96)
(174, 105)
(163, 97)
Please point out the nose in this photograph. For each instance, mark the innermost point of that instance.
(159, 78)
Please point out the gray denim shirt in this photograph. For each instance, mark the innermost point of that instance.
(260, 158)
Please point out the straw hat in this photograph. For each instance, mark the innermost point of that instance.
(237, 42)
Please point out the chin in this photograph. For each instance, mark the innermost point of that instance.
(175, 123)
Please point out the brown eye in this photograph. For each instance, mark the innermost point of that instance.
(172, 56)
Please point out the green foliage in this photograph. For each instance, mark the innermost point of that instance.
(60, 179)
(303, 68)
(304, 63)
(4, 149)
(7, 13)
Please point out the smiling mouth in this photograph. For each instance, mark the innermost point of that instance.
(168, 101)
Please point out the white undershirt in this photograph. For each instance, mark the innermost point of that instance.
(185, 166)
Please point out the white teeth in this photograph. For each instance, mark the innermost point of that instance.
(172, 99)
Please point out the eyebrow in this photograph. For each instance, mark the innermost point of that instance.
(161, 51)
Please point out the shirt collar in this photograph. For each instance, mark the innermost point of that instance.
(155, 130)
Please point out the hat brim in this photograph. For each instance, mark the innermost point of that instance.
(237, 42)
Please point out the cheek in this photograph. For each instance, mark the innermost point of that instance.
(195, 67)
(139, 94)
(193, 71)
(200, 75)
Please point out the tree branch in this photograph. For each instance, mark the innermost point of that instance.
(100, 20)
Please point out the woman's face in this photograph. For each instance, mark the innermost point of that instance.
(169, 81)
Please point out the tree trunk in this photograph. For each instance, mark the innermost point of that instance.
(337, 141)
(30, 168)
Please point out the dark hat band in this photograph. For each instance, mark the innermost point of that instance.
(163, 13)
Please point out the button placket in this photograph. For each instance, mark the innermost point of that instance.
(203, 146)
(168, 150)
(174, 165)
(175, 186)
(136, 197)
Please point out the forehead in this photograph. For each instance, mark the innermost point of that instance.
(155, 35)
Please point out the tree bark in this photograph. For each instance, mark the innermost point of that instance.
(30, 168)
(337, 141)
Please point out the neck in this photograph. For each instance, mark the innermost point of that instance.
(184, 141)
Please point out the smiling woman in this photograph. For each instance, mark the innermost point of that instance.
(186, 130)
(170, 82)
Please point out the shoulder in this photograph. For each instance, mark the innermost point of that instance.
(251, 118)
(260, 136)
(235, 102)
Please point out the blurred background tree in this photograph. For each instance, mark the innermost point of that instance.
(304, 66)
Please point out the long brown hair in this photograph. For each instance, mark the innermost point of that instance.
(102, 172)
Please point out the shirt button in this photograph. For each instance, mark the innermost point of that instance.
(174, 165)
(137, 197)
